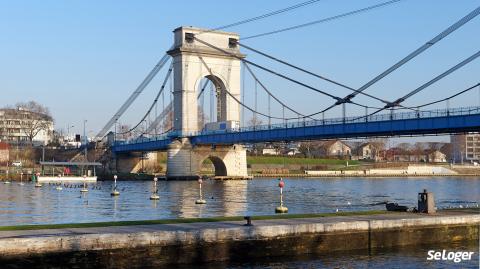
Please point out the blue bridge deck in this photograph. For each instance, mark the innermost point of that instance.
(407, 123)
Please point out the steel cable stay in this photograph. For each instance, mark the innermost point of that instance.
(449, 97)
(414, 54)
(248, 107)
(167, 76)
(347, 99)
(160, 64)
(263, 16)
(392, 105)
(159, 118)
(278, 74)
(232, 96)
(133, 96)
(332, 18)
(311, 73)
(268, 92)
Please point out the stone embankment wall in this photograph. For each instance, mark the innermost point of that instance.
(157, 245)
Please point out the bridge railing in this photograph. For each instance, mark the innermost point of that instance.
(356, 119)
(332, 121)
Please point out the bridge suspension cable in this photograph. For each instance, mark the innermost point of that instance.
(159, 118)
(235, 98)
(167, 76)
(269, 92)
(339, 16)
(412, 55)
(133, 96)
(449, 97)
(392, 105)
(338, 99)
(439, 77)
(308, 72)
(266, 15)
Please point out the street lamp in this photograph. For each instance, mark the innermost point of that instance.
(85, 138)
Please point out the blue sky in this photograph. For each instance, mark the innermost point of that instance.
(82, 59)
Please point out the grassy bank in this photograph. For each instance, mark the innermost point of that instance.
(186, 220)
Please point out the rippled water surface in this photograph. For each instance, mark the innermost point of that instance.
(28, 205)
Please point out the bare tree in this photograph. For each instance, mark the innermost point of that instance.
(167, 123)
(405, 149)
(202, 118)
(306, 148)
(418, 150)
(254, 121)
(123, 132)
(433, 146)
(35, 118)
(378, 145)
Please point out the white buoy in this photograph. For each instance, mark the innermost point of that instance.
(59, 188)
(38, 184)
(200, 201)
(21, 179)
(85, 189)
(281, 208)
(114, 191)
(154, 195)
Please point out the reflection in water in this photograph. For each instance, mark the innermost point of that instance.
(29, 205)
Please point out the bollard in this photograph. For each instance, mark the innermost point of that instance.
(85, 189)
(249, 221)
(426, 202)
(281, 208)
(200, 200)
(154, 195)
(114, 191)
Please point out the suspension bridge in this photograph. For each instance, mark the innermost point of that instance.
(203, 58)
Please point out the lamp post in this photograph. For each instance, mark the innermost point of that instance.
(85, 139)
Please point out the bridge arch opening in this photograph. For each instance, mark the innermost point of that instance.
(218, 164)
(212, 100)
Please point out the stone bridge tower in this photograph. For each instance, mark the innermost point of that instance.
(192, 62)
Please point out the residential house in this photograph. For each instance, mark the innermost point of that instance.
(332, 148)
(366, 151)
(435, 156)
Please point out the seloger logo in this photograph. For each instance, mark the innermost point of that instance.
(455, 256)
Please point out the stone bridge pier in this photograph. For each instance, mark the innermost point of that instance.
(185, 160)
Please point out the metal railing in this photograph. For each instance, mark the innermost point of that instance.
(333, 121)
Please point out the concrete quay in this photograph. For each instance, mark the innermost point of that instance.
(160, 244)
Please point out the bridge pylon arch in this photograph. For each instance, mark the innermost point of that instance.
(193, 61)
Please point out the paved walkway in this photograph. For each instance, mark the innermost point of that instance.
(474, 215)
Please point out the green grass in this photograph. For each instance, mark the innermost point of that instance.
(296, 160)
(178, 221)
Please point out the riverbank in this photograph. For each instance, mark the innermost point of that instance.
(137, 246)
(336, 175)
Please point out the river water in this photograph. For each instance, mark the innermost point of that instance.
(29, 205)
